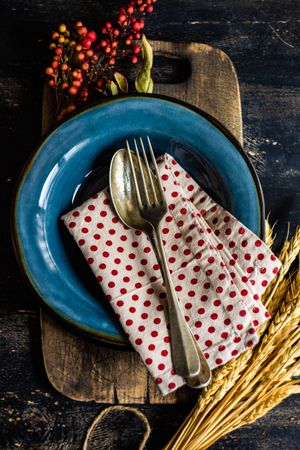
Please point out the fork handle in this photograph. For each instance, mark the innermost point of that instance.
(183, 345)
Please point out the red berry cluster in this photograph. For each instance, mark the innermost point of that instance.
(83, 60)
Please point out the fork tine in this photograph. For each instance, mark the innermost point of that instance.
(150, 173)
(156, 169)
(138, 195)
(142, 173)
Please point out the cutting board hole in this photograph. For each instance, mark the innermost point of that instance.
(170, 69)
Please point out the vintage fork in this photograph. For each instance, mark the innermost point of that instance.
(186, 355)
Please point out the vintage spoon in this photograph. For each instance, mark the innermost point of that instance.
(124, 200)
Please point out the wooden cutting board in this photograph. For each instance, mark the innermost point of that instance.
(85, 370)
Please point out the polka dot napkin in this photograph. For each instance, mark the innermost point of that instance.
(219, 268)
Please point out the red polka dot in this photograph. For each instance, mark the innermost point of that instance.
(148, 361)
(171, 385)
(229, 308)
(242, 313)
(208, 343)
(105, 254)
(100, 225)
(227, 322)
(234, 353)
(114, 272)
(132, 309)
(244, 292)
(174, 194)
(191, 293)
(141, 328)
(84, 230)
(81, 242)
(219, 361)
(90, 260)
(103, 213)
(242, 230)
(111, 284)
(165, 177)
(219, 289)
(264, 283)
(161, 366)
(154, 333)
(206, 285)
(129, 322)
(108, 243)
(214, 316)
(120, 303)
(123, 291)
(138, 341)
(88, 219)
(224, 335)
(72, 224)
(211, 329)
(190, 187)
(151, 347)
(164, 352)
(75, 213)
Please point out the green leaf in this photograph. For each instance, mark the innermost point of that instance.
(144, 82)
(147, 53)
(113, 88)
(121, 81)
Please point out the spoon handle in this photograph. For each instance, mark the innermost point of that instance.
(184, 348)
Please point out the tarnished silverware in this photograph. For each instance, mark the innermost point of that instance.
(139, 200)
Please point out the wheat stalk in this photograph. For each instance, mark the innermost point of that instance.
(246, 388)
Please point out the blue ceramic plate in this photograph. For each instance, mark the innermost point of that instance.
(72, 163)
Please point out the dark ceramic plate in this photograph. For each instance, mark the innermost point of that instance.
(72, 163)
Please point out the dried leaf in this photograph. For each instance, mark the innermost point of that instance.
(144, 82)
(113, 88)
(121, 82)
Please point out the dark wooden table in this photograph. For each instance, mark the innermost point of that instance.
(263, 39)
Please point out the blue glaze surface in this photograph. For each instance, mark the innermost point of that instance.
(62, 165)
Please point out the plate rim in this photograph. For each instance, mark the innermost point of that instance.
(117, 341)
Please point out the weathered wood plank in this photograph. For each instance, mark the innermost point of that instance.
(32, 414)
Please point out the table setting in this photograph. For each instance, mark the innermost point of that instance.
(140, 222)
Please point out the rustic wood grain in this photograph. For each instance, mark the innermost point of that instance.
(86, 371)
(33, 416)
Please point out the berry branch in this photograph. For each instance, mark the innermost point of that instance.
(83, 64)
